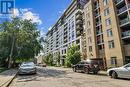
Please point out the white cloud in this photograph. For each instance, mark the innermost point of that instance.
(49, 28)
(27, 14)
(42, 33)
(32, 16)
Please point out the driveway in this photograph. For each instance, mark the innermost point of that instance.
(63, 77)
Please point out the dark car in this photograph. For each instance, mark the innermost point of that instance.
(87, 67)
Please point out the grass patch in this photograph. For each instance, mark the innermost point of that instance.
(2, 69)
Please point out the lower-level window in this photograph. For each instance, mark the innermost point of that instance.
(113, 61)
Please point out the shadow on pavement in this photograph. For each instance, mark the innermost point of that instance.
(41, 72)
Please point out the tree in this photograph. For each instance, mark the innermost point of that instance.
(58, 58)
(48, 59)
(73, 56)
(19, 40)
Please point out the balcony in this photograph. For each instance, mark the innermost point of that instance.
(97, 14)
(79, 27)
(118, 1)
(97, 6)
(98, 23)
(78, 33)
(79, 16)
(124, 22)
(127, 50)
(121, 10)
(126, 34)
(79, 22)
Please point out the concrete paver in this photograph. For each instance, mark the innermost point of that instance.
(6, 77)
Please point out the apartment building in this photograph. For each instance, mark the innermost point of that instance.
(68, 30)
(107, 26)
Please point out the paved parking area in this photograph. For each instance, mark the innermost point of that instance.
(63, 77)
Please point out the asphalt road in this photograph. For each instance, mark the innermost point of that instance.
(63, 77)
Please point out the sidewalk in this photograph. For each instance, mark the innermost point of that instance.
(6, 77)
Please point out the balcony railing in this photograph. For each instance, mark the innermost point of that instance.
(122, 9)
(97, 6)
(127, 33)
(118, 1)
(129, 6)
(98, 23)
(97, 14)
(126, 20)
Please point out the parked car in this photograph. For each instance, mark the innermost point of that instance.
(120, 72)
(86, 67)
(27, 68)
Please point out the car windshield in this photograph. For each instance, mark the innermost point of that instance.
(127, 65)
(26, 65)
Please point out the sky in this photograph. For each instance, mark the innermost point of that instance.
(45, 12)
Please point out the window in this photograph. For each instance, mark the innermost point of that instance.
(62, 51)
(90, 48)
(109, 33)
(88, 23)
(89, 31)
(108, 22)
(105, 2)
(113, 61)
(89, 40)
(87, 15)
(111, 44)
(106, 12)
(73, 35)
(65, 51)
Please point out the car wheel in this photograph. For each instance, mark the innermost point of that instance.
(74, 69)
(114, 75)
(86, 70)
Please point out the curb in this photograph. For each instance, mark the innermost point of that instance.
(11, 80)
(102, 73)
(7, 83)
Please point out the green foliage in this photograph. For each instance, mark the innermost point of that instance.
(2, 69)
(48, 59)
(58, 59)
(73, 56)
(19, 40)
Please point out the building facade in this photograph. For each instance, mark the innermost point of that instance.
(67, 31)
(101, 29)
(107, 31)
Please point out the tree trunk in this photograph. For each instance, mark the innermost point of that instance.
(11, 53)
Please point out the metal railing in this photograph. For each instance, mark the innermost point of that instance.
(126, 33)
(117, 1)
(124, 21)
(122, 9)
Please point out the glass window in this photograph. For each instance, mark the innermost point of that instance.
(128, 65)
(108, 22)
(113, 61)
(109, 33)
(111, 44)
(89, 40)
(105, 2)
(106, 11)
(90, 48)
